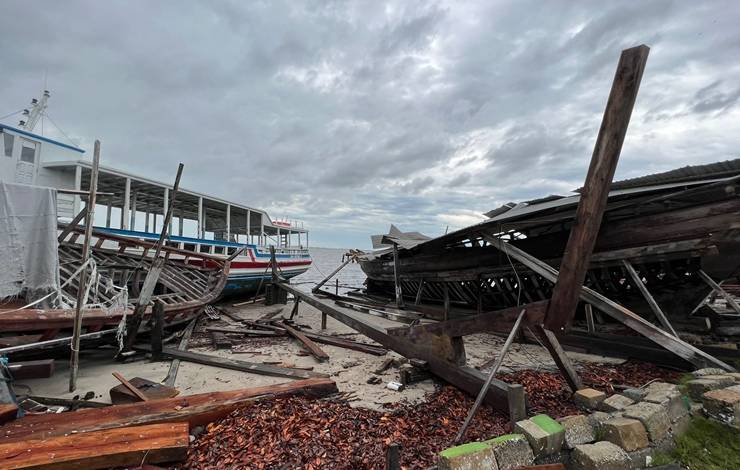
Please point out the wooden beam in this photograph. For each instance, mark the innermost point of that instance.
(312, 347)
(157, 329)
(649, 298)
(396, 277)
(39, 369)
(197, 410)
(125, 447)
(552, 344)
(718, 289)
(595, 191)
(234, 364)
(347, 344)
(590, 318)
(131, 388)
(333, 273)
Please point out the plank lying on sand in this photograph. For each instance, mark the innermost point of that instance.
(197, 410)
(244, 331)
(234, 364)
(312, 347)
(132, 446)
(346, 343)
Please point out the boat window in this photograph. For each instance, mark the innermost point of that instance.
(205, 248)
(28, 152)
(8, 141)
(189, 246)
(218, 250)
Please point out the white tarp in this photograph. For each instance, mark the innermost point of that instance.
(29, 261)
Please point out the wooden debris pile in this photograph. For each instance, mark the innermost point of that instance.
(300, 433)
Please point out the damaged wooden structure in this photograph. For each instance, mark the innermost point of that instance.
(547, 257)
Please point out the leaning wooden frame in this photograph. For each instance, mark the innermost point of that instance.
(441, 344)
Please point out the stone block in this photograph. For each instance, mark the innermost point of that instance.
(661, 386)
(674, 403)
(635, 394)
(470, 456)
(598, 418)
(588, 398)
(698, 387)
(627, 433)
(544, 434)
(707, 371)
(653, 416)
(599, 456)
(511, 451)
(562, 457)
(578, 430)
(722, 405)
(680, 426)
(642, 458)
(666, 445)
(616, 402)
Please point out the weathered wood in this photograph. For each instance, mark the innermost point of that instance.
(130, 387)
(219, 340)
(152, 390)
(197, 410)
(156, 333)
(552, 344)
(499, 360)
(625, 316)
(649, 298)
(74, 359)
(419, 291)
(312, 347)
(396, 277)
(244, 331)
(8, 412)
(589, 318)
(595, 191)
(393, 457)
(126, 447)
(347, 344)
(317, 287)
(234, 364)
(40, 369)
(67, 402)
(508, 398)
(718, 289)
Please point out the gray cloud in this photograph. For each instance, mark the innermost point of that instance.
(354, 115)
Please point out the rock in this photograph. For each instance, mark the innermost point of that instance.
(511, 451)
(654, 417)
(615, 403)
(598, 418)
(724, 379)
(588, 398)
(470, 456)
(642, 458)
(627, 433)
(707, 371)
(698, 387)
(578, 430)
(681, 425)
(672, 401)
(661, 386)
(723, 405)
(666, 445)
(635, 394)
(544, 434)
(599, 456)
(562, 457)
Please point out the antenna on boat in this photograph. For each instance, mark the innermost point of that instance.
(37, 110)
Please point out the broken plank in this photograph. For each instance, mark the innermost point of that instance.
(312, 347)
(154, 443)
(131, 388)
(152, 390)
(219, 340)
(347, 344)
(244, 331)
(234, 364)
(197, 410)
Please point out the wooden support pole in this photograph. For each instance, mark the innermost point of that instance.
(157, 327)
(590, 318)
(489, 379)
(418, 292)
(649, 298)
(333, 273)
(77, 327)
(393, 457)
(446, 291)
(718, 289)
(551, 343)
(294, 311)
(169, 380)
(396, 277)
(595, 191)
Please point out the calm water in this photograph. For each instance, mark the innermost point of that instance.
(326, 260)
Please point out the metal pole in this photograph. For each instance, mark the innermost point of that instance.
(77, 328)
(489, 379)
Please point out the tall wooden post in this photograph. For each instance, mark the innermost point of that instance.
(77, 326)
(396, 277)
(596, 189)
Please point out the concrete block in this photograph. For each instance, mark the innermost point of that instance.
(615, 402)
(627, 433)
(722, 405)
(562, 457)
(707, 371)
(470, 456)
(661, 386)
(599, 456)
(511, 451)
(578, 430)
(589, 398)
(598, 418)
(698, 387)
(544, 434)
(642, 458)
(672, 401)
(654, 417)
(635, 394)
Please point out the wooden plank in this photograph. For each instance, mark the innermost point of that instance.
(197, 410)
(8, 412)
(649, 298)
(219, 340)
(244, 331)
(333, 273)
(156, 333)
(126, 447)
(130, 387)
(595, 191)
(312, 347)
(347, 344)
(40, 369)
(396, 277)
(235, 364)
(152, 390)
(590, 318)
(622, 314)
(552, 344)
(718, 289)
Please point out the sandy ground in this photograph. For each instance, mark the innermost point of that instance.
(350, 369)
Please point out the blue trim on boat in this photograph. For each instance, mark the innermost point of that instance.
(40, 137)
(201, 241)
(249, 283)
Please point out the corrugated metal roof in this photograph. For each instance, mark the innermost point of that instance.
(684, 174)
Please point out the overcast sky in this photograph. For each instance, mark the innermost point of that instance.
(354, 115)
